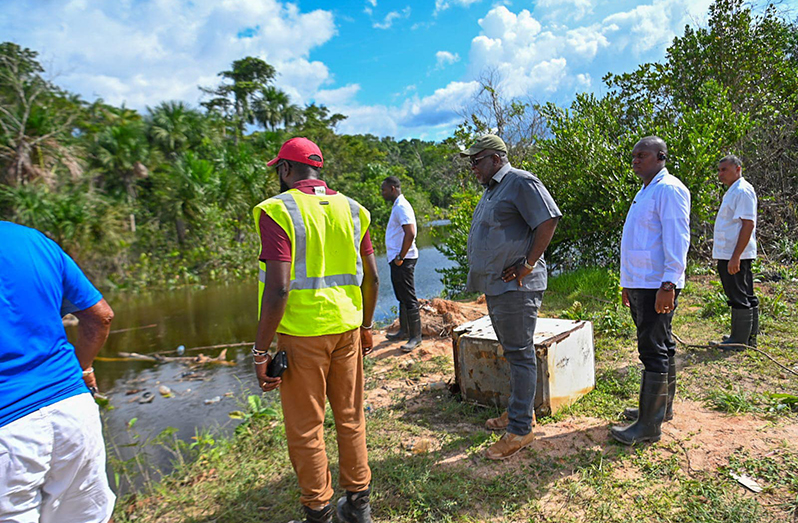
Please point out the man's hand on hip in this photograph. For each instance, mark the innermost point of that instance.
(515, 272)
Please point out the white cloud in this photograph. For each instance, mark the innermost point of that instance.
(564, 9)
(390, 17)
(339, 96)
(416, 116)
(141, 53)
(372, 2)
(445, 58)
(443, 5)
(652, 25)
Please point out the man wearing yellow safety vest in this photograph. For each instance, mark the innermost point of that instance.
(318, 288)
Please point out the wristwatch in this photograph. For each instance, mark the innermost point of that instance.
(667, 286)
(530, 267)
(398, 258)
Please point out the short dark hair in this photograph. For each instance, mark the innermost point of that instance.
(303, 170)
(731, 158)
(392, 181)
(654, 143)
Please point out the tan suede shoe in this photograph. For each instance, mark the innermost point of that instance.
(502, 421)
(509, 445)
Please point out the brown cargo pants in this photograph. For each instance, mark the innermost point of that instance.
(328, 366)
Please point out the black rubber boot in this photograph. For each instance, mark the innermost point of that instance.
(414, 328)
(653, 400)
(354, 507)
(323, 515)
(754, 326)
(741, 325)
(401, 334)
(631, 413)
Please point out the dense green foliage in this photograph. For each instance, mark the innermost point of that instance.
(731, 87)
(728, 88)
(165, 197)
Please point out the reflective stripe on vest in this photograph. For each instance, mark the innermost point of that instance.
(301, 280)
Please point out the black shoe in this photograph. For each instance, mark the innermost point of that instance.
(741, 326)
(653, 400)
(414, 327)
(354, 507)
(401, 334)
(323, 515)
(754, 327)
(631, 413)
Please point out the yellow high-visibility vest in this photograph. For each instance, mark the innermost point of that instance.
(326, 268)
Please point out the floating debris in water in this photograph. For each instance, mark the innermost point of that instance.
(147, 397)
(165, 391)
(215, 399)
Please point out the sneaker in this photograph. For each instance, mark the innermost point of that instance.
(509, 445)
(503, 421)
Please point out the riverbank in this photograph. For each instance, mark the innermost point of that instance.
(425, 445)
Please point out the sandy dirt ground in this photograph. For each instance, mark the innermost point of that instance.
(703, 438)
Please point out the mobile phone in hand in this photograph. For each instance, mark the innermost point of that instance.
(278, 365)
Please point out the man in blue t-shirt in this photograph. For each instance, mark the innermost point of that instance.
(52, 454)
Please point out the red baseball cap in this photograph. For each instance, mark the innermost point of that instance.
(299, 150)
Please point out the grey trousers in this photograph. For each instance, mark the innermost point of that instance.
(514, 315)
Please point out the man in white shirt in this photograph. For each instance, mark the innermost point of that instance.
(400, 246)
(735, 250)
(656, 237)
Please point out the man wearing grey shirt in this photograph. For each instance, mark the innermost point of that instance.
(512, 226)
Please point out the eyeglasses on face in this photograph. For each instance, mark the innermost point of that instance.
(475, 161)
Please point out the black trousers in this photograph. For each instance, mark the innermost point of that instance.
(739, 288)
(404, 283)
(655, 342)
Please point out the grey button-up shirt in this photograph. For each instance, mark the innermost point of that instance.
(503, 229)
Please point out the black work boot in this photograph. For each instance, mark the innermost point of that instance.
(401, 334)
(754, 326)
(741, 325)
(414, 328)
(653, 400)
(631, 413)
(354, 507)
(323, 515)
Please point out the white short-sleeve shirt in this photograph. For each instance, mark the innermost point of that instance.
(401, 214)
(739, 203)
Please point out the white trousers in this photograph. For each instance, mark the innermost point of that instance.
(52, 466)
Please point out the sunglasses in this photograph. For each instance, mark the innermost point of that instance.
(475, 161)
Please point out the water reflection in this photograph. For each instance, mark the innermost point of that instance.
(219, 314)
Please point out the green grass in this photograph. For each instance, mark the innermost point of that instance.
(249, 478)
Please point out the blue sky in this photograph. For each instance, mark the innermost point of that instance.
(398, 68)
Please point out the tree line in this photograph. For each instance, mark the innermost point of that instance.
(164, 196)
(730, 87)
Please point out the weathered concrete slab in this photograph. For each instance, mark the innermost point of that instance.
(566, 363)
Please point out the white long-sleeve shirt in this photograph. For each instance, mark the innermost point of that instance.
(656, 235)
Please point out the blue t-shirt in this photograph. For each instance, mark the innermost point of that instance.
(38, 366)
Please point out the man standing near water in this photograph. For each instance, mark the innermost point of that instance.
(656, 236)
(735, 250)
(513, 224)
(52, 454)
(400, 246)
(318, 288)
